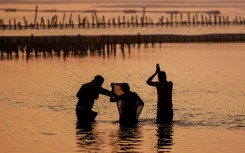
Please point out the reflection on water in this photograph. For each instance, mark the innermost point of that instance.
(135, 138)
(164, 137)
(77, 46)
(129, 138)
(120, 139)
(86, 139)
(59, 54)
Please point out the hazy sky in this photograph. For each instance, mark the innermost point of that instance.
(70, 1)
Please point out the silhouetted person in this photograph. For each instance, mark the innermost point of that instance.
(86, 95)
(130, 102)
(164, 96)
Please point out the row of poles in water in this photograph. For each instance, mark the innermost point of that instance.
(172, 18)
(81, 45)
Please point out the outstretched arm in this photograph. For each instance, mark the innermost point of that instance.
(105, 91)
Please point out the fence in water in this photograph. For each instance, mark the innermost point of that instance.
(81, 46)
(138, 19)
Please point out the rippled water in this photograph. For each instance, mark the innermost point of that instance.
(38, 100)
(37, 96)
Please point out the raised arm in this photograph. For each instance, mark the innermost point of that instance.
(149, 80)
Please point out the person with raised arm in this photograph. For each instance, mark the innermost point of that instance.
(164, 96)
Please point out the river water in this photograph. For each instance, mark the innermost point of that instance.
(37, 102)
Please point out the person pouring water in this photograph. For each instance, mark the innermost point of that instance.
(130, 105)
(164, 96)
(86, 95)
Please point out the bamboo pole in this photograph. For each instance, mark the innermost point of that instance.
(63, 21)
(35, 19)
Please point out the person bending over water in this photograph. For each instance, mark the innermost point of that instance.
(164, 96)
(128, 107)
(86, 95)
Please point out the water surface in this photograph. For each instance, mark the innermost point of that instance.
(38, 101)
(37, 95)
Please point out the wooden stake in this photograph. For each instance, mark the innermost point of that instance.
(35, 19)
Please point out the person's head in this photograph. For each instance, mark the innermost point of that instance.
(99, 80)
(125, 87)
(162, 76)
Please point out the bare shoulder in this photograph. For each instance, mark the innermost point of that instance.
(170, 83)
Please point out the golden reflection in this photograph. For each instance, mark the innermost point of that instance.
(86, 139)
(130, 139)
(164, 137)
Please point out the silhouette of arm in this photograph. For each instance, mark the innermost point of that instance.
(149, 80)
(105, 92)
(139, 100)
